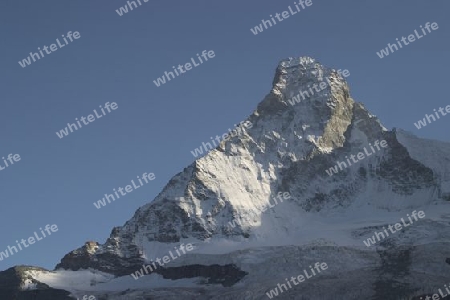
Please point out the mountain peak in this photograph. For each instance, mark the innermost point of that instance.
(303, 61)
(303, 72)
(308, 101)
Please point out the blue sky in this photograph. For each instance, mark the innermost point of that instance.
(155, 128)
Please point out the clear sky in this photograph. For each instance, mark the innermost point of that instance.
(154, 128)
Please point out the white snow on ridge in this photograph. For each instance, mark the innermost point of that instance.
(264, 246)
(81, 282)
(285, 226)
(431, 153)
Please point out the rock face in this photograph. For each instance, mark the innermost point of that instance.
(13, 281)
(289, 149)
(86, 257)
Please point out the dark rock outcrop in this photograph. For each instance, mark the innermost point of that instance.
(11, 286)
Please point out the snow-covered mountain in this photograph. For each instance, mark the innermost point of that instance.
(261, 208)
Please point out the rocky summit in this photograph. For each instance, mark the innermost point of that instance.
(245, 249)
